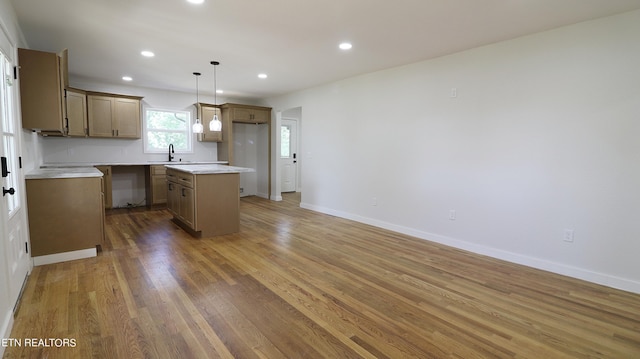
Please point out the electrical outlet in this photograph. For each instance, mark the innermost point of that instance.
(568, 235)
(454, 92)
(241, 190)
(374, 201)
(452, 214)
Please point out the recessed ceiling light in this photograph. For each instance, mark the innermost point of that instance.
(195, 1)
(219, 91)
(127, 78)
(345, 46)
(262, 76)
(147, 53)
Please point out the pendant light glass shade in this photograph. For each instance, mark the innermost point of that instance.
(215, 125)
(197, 126)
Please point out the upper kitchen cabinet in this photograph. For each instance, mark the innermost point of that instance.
(247, 113)
(43, 78)
(76, 112)
(112, 115)
(206, 113)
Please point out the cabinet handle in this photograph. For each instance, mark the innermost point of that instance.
(183, 195)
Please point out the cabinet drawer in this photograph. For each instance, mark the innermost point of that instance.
(172, 176)
(158, 170)
(185, 179)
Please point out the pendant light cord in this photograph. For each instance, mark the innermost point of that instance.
(215, 83)
(197, 97)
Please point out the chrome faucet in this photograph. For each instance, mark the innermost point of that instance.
(171, 151)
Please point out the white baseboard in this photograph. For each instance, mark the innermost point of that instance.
(65, 256)
(554, 267)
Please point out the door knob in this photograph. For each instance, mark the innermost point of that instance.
(10, 191)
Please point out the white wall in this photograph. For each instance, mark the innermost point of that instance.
(542, 137)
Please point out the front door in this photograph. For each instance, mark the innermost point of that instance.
(13, 223)
(288, 155)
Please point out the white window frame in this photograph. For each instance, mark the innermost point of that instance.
(187, 131)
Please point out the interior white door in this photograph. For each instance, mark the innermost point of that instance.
(13, 218)
(289, 155)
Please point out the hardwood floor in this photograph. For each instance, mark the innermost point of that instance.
(298, 284)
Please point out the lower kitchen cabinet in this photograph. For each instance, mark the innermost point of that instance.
(65, 214)
(156, 187)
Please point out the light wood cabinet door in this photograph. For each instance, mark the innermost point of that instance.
(127, 117)
(100, 116)
(159, 189)
(187, 206)
(260, 116)
(110, 116)
(41, 90)
(241, 115)
(206, 115)
(173, 197)
(249, 115)
(76, 113)
(65, 214)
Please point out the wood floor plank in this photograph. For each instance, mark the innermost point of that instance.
(298, 284)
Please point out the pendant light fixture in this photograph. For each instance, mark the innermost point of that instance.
(197, 126)
(215, 125)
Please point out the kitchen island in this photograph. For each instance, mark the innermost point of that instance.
(205, 199)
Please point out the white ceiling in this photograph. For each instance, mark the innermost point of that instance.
(294, 41)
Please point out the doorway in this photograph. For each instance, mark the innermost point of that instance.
(289, 155)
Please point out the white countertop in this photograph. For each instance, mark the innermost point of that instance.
(209, 169)
(140, 163)
(63, 172)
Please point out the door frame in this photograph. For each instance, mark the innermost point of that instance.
(11, 288)
(276, 192)
(295, 150)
